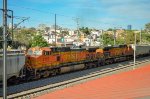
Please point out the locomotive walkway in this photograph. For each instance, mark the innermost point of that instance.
(133, 84)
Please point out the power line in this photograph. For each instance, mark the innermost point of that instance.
(48, 12)
(32, 9)
(22, 20)
(45, 12)
(99, 22)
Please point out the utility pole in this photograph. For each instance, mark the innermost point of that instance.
(4, 49)
(134, 50)
(48, 36)
(77, 22)
(10, 16)
(55, 32)
(141, 36)
(12, 26)
(114, 36)
(64, 41)
(125, 36)
(12, 21)
(102, 39)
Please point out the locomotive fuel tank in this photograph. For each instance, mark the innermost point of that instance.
(72, 68)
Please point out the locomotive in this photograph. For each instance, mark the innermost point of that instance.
(45, 61)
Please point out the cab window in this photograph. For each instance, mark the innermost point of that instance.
(47, 53)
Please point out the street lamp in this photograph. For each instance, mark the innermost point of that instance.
(134, 50)
(141, 36)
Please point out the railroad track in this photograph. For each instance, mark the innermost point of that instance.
(60, 85)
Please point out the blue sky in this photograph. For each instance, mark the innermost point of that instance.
(91, 13)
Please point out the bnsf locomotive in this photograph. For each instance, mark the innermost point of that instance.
(47, 61)
(43, 62)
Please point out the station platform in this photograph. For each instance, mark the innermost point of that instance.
(134, 84)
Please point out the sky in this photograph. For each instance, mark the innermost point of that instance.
(100, 14)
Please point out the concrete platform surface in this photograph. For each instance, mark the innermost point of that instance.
(134, 84)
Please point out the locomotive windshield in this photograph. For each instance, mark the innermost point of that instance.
(36, 52)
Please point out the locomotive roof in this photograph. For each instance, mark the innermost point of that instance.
(121, 46)
(65, 49)
(60, 49)
(89, 48)
(107, 48)
(116, 46)
(77, 49)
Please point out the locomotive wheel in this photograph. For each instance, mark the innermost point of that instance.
(54, 72)
(102, 63)
(86, 66)
(107, 62)
(38, 76)
(90, 66)
(46, 74)
(58, 71)
(95, 64)
(13, 80)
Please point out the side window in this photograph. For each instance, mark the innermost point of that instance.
(47, 53)
(58, 58)
(106, 54)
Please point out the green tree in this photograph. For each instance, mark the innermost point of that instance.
(120, 41)
(39, 41)
(147, 27)
(1, 36)
(1, 33)
(107, 39)
(145, 37)
(130, 37)
(85, 30)
(1, 30)
(47, 29)
(24, 36)
(32, 28)
(64, 33)
(110, 29)
(9, 42)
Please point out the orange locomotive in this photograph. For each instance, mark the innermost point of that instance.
(45, 61)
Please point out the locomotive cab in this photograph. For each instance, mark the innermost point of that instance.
(35, 55)
(38, 51)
